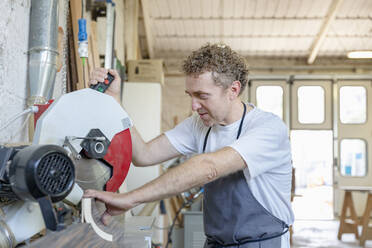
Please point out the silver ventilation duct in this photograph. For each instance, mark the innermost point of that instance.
(42, 50)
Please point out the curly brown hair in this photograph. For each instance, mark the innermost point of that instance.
(225, 64)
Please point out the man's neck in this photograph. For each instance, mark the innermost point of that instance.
(235, 113)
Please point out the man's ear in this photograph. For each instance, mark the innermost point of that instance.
(235, 88)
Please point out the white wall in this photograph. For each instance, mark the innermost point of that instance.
(14, 26)
(142, 101)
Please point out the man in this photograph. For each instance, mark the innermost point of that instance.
(244, 159)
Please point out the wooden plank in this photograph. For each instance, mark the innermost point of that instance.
(131, 20)
(93, 44)
(82, 235)
(148, 23)
(75, 10)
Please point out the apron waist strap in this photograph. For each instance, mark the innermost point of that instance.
(211, 241)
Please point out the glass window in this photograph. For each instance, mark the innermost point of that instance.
(311, 104)
(353, 158)
(270, 98)
(353, 104)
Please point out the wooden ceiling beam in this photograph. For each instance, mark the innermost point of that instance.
(318, 41)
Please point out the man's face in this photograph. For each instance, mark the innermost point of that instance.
(209, 100)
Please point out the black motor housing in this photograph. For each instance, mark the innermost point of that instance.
(41, 170)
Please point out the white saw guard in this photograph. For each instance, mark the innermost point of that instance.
(76, 113)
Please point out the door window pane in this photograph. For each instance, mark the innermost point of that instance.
(270, 98)
(353, 157)
(310, 104)
(353, 104)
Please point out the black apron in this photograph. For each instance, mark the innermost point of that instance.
(232, 215)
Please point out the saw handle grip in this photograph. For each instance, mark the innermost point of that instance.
(103, 86)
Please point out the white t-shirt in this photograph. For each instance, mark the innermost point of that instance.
(264, 146)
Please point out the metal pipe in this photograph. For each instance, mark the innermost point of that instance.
(7, 239)
(110, 16)
(42, 50)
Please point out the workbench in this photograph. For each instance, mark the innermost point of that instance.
(135, 232)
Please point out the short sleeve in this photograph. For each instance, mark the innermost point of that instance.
(264, 147)
(182, 137)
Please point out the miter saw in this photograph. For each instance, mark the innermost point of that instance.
(82, 140)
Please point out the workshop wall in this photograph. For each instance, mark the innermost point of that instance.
(14, 22)
(14, 26)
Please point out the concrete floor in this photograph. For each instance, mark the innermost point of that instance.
(322, 234)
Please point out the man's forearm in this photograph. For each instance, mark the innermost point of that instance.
(177, 180)
(197, 171)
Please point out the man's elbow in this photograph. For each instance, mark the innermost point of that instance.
(139, 163)
(210, 167)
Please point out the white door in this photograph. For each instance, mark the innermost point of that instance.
(353, 143)
(271, 96)
(312, 148)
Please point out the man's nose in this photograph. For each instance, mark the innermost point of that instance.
(195, 105)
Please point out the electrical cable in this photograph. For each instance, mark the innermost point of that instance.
(32, 109)
(174, 222)
(21, 128)
(178, 212)
(82, 9)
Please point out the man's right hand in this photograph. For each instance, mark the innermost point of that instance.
(99, 75)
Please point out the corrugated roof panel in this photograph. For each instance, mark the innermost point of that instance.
(260, 8)
(366, 10)
(208, 27)
(185, 8)
(303, 8)
(346, 44)
(237, 27)
(319, 8)
(351, 27)
(175, 11)
(196, 8)
(160, 27)
(282, 9)
(355, 9)
(266, 28)
(293, 8)
(271, 7)
(198, 28)
(239, 7)
(163, 8)
(227, 27)
(188, 28)
(154, 6)
(311, 27)
(332, 45)
(183, 44)
(179, 26)
(227, 8)
(344, 9)
(250, 8)
(233, 43)
(215, 7)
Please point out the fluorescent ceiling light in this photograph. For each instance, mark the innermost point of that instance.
(360, 55)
